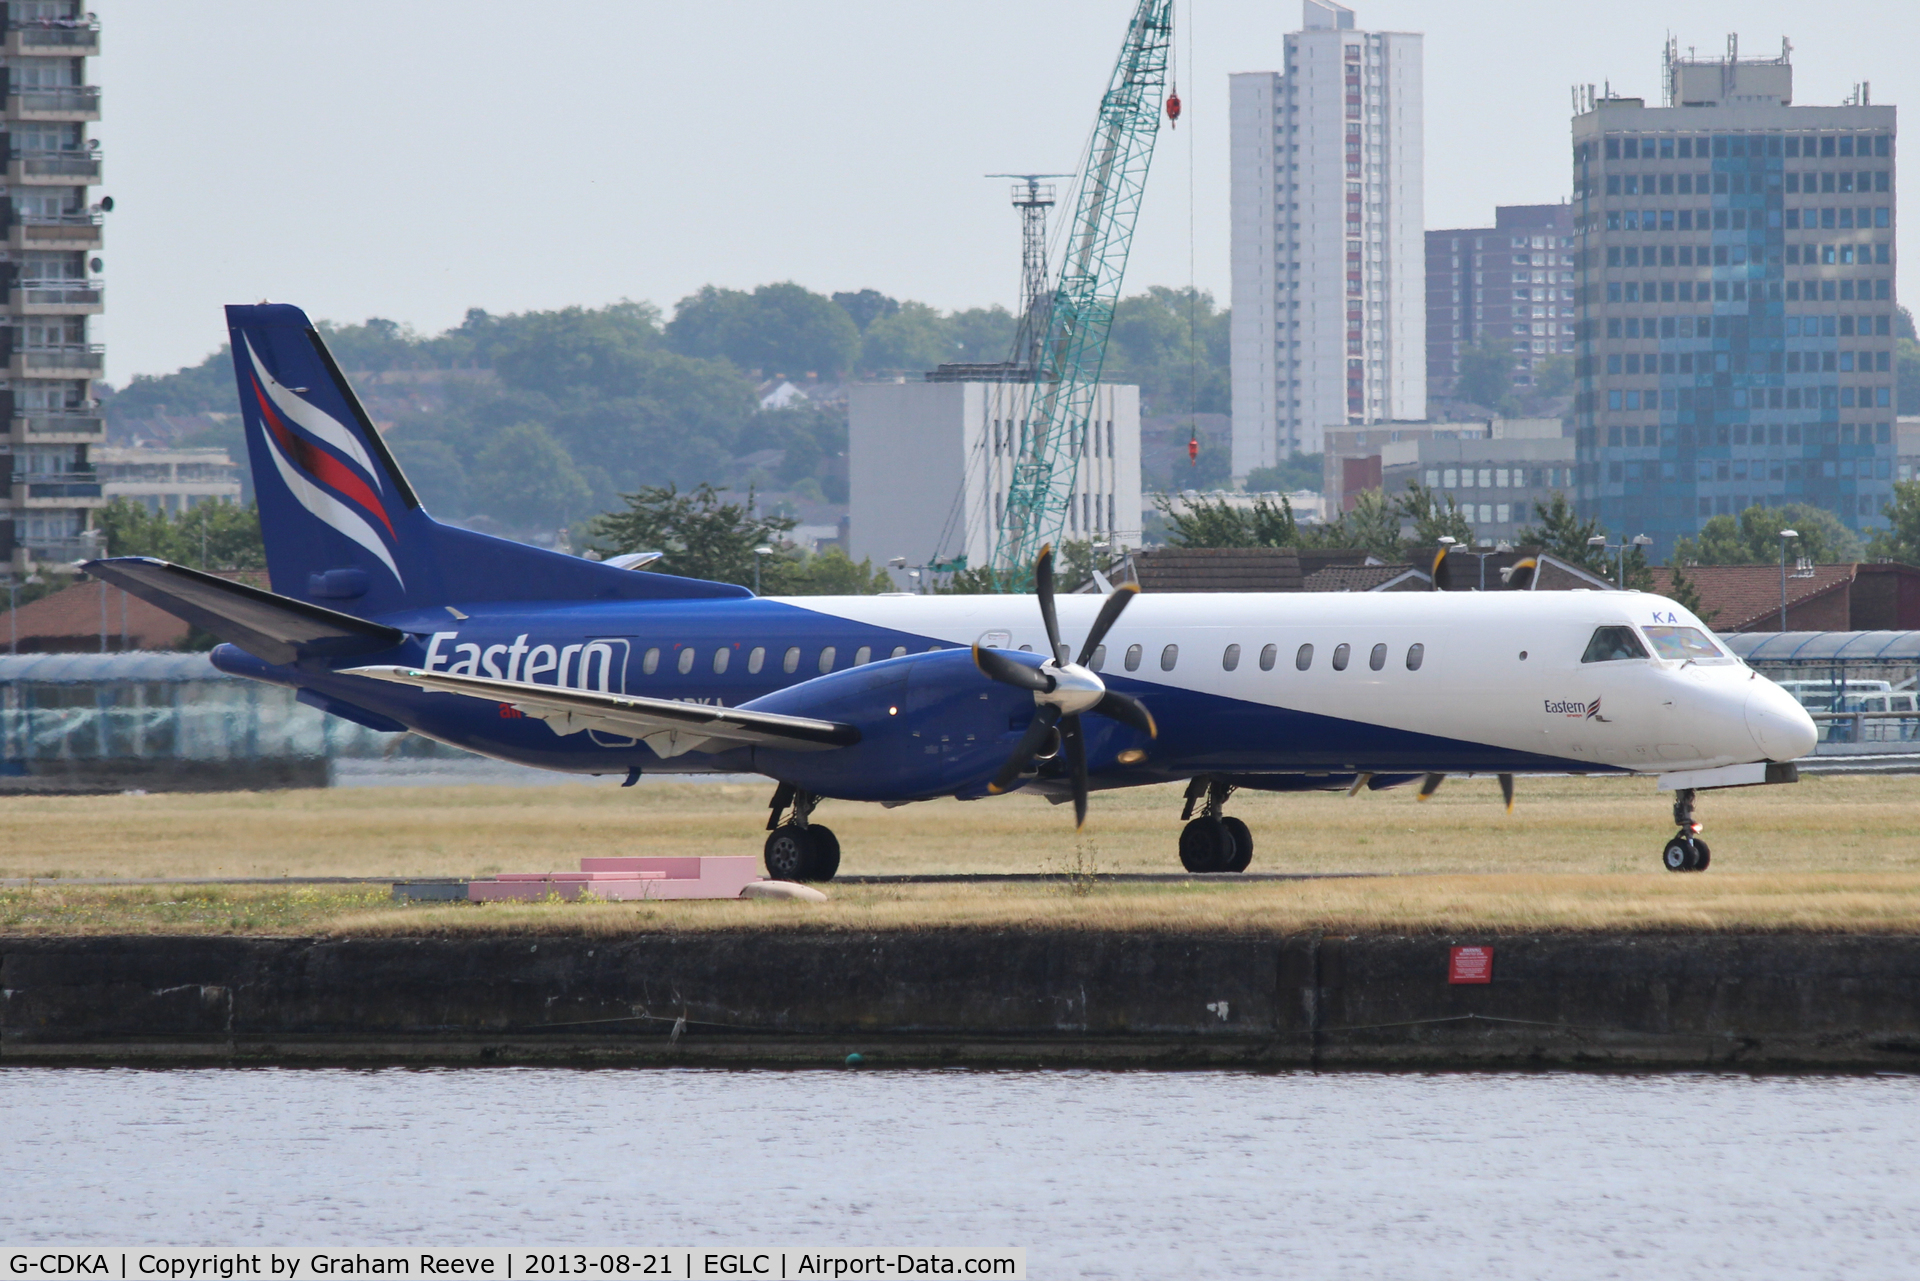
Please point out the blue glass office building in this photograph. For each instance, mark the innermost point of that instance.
(1734, 303)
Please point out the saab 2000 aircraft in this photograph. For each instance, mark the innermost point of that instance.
(385, 617)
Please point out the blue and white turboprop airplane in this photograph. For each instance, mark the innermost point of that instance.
(385, 617)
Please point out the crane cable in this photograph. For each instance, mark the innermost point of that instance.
(1193, 350)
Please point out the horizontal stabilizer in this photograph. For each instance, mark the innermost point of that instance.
(277, 629)
(667, 726)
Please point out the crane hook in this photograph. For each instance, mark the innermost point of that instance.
(1173, 109)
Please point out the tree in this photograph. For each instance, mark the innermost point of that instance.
(702, 535)
(982, 335)
(1205, 522)
(1434, 516)
(914, 337)
(1175, 346)
(1563, 535)
(1754, 538)
(1486, 373)
(830, 573)
(575, 353)
(1901, 540)
(1298, 471)
(779, 329)
(210, 535)
(1553, 376)
(1685, 593)
(1372, 526)
(526, 479)
(865, 306)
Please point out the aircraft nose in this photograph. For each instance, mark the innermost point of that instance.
(1780, 727)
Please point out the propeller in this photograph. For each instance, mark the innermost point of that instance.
(1520, 574)
(1063, 690)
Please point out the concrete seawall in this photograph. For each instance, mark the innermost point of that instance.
(1753, 1002)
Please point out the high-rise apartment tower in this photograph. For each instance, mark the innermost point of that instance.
(1509, 285)
(1734, 281)
(48, 488)
(1329, 264)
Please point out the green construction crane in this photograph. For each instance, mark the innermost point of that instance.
(1067, 371)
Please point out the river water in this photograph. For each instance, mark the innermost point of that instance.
(1203, 1174)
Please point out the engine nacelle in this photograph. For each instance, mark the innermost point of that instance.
(930, 725)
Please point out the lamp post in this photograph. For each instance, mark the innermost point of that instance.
(1621, 549)
(1785, 534)
(758, 552)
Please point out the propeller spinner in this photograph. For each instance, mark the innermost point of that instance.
(1063, 690)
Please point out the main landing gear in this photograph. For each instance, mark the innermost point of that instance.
(1686, 852)
(799, 850)
(1213, 842)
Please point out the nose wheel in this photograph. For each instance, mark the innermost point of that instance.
(1686, 852)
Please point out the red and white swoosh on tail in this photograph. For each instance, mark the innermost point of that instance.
(314, 419)
(328, 508)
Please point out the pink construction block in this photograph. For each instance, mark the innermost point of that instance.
(626, 879)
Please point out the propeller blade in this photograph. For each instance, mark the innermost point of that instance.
(1520, 577)
(1116, 603)
(1074, 748)
(1431, 785)
(1442, 571)
(1045, 717)
(1506, 790)
(1010, 671)
(1129, 711)
(1043, 590)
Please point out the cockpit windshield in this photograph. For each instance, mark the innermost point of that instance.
(1683, 643)
(1612, 644)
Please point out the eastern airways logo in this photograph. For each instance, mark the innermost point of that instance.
(1576, 711)
(322, 483)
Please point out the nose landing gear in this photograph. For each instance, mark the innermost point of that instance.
(1686, 852)
(1213, 842)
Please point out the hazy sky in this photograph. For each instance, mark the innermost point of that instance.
(414, 158)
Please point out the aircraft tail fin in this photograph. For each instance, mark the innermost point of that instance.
(340, 521)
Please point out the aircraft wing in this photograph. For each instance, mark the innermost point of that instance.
(668, 727)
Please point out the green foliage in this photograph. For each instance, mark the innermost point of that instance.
(1754, 538)
(205, 388)
(865, 306)
(1301, 471)
(1434, 516)
(914, 337)
(1206, 522)
(982, 335)
(1486, 373)
(212, 536)
(1901, 540)
(526, 478)
(778, 329)
(1373, 526)
(1561, 534)
(1175, 346)
(1553, 376)
(831, 573)
(1685, 593)
(574, 353)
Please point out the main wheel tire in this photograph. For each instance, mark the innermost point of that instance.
(1205, 846)
(789, 854)
(1701, 855)
(826, 853)
(1678, 855)
(1242, 843)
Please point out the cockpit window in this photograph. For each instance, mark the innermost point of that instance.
(1611, 644)
(1683, 642)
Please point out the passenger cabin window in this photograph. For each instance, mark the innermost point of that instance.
(720, 657)
(1269, 654)
(1168, 657)
(1231, 658)
(756, 660)
(1377, 657)
(1415, 653)
(1099, 662)
(1685, 642)
(1341, 652)
(1133, 658)
(651, 663)
(790, 663)
(1611, 644)
(686, 660)
(863, 656)
(1304, 659)
(899, 651)
(826, 659)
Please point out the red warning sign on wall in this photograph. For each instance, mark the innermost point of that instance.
(1470, 965)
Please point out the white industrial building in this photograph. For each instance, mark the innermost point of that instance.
(1329, 254)
(167, 480)
(930, 464)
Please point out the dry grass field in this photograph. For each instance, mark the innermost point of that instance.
(1833, 853)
